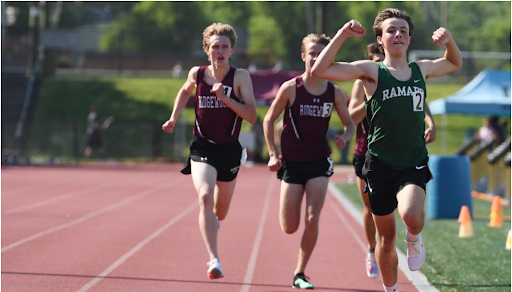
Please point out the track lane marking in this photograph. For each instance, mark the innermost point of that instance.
(138, 247)
(66, 196)
(417, 278)
(259, 235)
(91, 215)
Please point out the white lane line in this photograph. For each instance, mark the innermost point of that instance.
(347, 224)
(91, 215)
(65, 196)
(417, 278)
(138, 247)
(259, 235)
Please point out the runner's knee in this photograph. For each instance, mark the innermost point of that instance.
(312, 220)
(414, 221)
(206, 201)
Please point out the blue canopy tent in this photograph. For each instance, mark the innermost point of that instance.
(488, 94)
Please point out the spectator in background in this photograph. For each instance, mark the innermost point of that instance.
(177, 70)
(489, 130)
(94, 128)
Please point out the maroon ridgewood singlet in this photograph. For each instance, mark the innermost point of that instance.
(362, 138)
(215, 121)
(305, 125)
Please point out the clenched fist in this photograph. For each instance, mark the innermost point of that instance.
(441, 36)
(353, 29)
(168, 126)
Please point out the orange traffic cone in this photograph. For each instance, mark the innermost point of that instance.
(507, 245)
(465, 229)
(496, 212)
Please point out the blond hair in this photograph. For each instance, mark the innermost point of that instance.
(314, 38)
(219, 29)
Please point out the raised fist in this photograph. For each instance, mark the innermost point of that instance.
(441, 36)
(353, 29)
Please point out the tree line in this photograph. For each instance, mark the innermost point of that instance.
(279, 26)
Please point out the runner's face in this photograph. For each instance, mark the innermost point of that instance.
(220, 50)
(311, 53)
(395, 36)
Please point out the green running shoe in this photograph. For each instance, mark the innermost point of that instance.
(301, 281)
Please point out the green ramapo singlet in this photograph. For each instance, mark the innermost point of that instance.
(396, 114)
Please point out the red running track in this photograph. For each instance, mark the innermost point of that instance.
(134, 228)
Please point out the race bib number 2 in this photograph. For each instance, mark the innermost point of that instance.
(417, 101)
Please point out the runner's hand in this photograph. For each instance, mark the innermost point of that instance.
(218, 89)
(353, 29)
(430, 135)
(441, 36)
(168, 126)
(274, 163)
(340, 142)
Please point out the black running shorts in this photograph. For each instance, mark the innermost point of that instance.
(383, 182)
(358, 162)
(299, 172)
(225, 158)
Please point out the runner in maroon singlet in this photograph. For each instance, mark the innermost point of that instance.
(304, 164)
(224, 96)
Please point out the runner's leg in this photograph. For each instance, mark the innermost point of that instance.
(204, 177)
(316, 189)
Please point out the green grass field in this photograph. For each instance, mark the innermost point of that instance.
(478, 263)
(151, 99)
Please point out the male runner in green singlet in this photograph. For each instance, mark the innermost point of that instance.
(395, 169)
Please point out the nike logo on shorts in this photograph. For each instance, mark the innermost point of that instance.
(420, 167)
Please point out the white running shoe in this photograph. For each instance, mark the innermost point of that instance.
(415, 253)
(214, 269)
(372, 269)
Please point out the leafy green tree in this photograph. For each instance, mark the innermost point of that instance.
(265, 37)
(156, 27)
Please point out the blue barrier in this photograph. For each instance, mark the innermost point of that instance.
(451, 187)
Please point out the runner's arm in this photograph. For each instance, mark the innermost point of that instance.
(181, 99)
(340, 104)
(286, 91)
(356, 106)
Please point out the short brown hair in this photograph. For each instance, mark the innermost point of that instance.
(372, 50)
(219, 29)
(387, 14)
(314, 38)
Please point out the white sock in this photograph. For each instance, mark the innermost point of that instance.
(392, 288)
(412, 237)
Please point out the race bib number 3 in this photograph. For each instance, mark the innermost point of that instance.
(327, 109)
